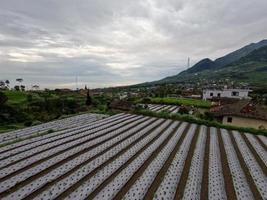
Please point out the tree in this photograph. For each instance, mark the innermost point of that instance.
(88, 98)
(35, 87)
(2, 85)
(17, 88)
(20, 80)
(7, 83)
(3, 98)
(22, 87)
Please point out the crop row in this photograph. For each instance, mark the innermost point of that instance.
(56, 125)
(160, 108)
(136, 157)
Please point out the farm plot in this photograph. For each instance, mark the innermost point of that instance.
(56, 125)
(166, 108)
(129, 156)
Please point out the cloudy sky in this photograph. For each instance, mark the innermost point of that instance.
(119, 42)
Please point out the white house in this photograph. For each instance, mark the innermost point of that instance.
(226, 93)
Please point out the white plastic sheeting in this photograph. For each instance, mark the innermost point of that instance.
(239, 179)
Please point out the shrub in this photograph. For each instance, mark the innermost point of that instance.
(190, 119)
(28, 123)
(50, 131)
(3, 98)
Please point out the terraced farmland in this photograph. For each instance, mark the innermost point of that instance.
(159, 108)
(136, 157)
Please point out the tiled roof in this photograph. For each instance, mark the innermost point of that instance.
(242, 108)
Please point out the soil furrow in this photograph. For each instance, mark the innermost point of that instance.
(144, 166)
(228, 181)
(243, 165)
(72, 140)
(182, 182)
(72, 156)
(47, 170)
(255, 154)
(172, 109)
(261, 143)
(204, 194)
(50, 184)
(160, 176)
(87, 177)
(159, 108)
(36, 141)
(162, 108)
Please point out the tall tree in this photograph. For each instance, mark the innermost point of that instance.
(3, 98)
(7, 83)
(16, 87)
(2, 84)
(20, 80)
(35, 87)
(22, 87)
(88, 98)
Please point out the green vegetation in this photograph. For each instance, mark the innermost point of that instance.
(9, 127)
(16, 97)
(26, 108)
(179, 101)
(191, 119)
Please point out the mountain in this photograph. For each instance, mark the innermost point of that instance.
(227, 59)
(242, 65)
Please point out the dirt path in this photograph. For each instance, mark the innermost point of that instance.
(160, 176)
(228, 181)
(49, 137)
(261, 142)
(48, 169)
(112, 176)
(255, 154)
(204, 194)
(243, 165)
(144, 166)
(72, 140)
(183, 179)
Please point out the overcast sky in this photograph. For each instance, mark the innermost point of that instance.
(119, 42)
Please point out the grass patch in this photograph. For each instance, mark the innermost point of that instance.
(10, 127)
(16, 97)
(182, 101)
(190, 119)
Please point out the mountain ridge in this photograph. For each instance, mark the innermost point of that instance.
(241, 60)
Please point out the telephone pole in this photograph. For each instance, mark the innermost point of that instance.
(76, 81)
(188, 63)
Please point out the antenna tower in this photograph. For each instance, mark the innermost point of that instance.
(188, 63)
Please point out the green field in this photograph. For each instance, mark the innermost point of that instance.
(16, 97)
(27, 108)
(182, 101)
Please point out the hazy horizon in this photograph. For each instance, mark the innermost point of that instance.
(119, 42)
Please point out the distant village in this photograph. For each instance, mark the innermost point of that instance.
(235, 105)
(230, 104)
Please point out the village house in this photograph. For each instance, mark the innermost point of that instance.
(226, 93)
(242, 113)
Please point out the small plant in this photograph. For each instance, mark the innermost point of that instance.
(28, 123)
(50, 131)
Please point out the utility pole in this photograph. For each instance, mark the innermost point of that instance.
(188, 63)
(76, 81)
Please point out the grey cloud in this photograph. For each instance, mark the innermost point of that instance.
(116, 42)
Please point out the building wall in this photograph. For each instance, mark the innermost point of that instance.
(242, 94)
(245, 122)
